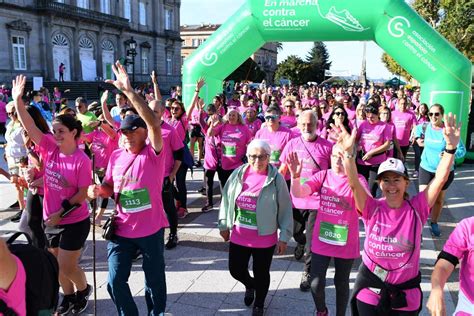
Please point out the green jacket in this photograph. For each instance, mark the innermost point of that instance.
(274, 208)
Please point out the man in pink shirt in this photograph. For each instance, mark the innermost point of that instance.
(134, 176)
(404, 122)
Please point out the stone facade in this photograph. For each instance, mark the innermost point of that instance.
(195, 35)
(36, 36)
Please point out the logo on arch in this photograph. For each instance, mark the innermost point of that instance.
(396, 26)
(209, 59)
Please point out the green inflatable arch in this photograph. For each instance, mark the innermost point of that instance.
(443, 72)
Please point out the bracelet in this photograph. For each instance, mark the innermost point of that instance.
(349, 156)
(450, 151)
(296, 178)
(196, 91)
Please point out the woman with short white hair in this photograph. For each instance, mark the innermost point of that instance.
(255, 205)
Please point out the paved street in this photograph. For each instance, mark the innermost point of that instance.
(197, 276)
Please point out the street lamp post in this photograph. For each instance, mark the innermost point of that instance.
(132, 52)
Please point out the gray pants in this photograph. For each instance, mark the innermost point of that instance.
(309, 239)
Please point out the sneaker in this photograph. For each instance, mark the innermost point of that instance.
(82, 300)
(138, 256)
(249, 296)
(299, 251)
(182, 212)
(305, 284)
(172, 241)
(415, 174)
(257, 311)
(15, 205)
(202, 191)
(435, 231)
(325, 313)
(66, 305)
(16, 218)
(207, 208)
(197, 164)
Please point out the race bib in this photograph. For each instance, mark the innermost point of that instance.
(275, 156)
(333, 234)
(134, 201)
(229, 150)
(246, 219)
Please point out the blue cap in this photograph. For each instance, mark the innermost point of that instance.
(132, 122)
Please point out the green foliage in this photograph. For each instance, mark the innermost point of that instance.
(394, 67)
(318, 61)
(292, 68)
(248, 71)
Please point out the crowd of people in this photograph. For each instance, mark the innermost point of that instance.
(302, 162)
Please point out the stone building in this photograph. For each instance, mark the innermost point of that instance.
(87, 36)
(195, 35)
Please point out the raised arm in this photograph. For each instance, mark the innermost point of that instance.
(18, 86)
(156, 89)
(200, 83)
(440, 275)
(451, 134)
(105, 109)
(152, 121)
(347, 142)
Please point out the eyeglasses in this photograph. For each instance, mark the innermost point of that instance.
(436, 114)
(259, 157)
(272, 117)
(288, 106)
(383, 113)
(338, 113)
(175, 108)
(10, 113)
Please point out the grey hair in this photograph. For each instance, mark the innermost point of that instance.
(261, 144)
(313, 114)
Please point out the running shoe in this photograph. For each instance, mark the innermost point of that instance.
(82, 300)
(257, 311)
(202, 191)
(305, 284)
(16, 218)
(172, 242)
(344, 19)
(415, 174)
(249, 296)
(299, 251)
(435, 231)
(325, 313)
(15, 205)
(66, 305)
(197, 164)
(207, 208)
(182, 212)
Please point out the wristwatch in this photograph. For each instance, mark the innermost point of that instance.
(450, 151)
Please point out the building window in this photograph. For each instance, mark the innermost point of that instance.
(60, 1)
(19, 53)
(83, 4)
(195, 42)
(105, 6)
(145, 68)
(142, 11)
(127, 9)
(168, 19)
(169, 63)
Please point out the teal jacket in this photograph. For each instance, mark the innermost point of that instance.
(274, 209)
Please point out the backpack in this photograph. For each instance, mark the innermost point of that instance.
(42, 275)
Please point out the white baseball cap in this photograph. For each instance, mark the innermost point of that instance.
(393, 165)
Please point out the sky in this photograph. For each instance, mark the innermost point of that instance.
(345, 56)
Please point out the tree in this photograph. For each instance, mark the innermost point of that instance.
(248, 71)
(394, 67)
(292, 68)
(318, 62)
(428, 10)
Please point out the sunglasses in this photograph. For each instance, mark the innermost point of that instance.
(338, 113)
(436, 114)
(174, 108)
(10, 113)
(272, 117)
(259, 157)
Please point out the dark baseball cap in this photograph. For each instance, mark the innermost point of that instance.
(132, 122)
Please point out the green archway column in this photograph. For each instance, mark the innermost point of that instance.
(443, 72)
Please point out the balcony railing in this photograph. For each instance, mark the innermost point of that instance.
(171, 34)
(67, 10)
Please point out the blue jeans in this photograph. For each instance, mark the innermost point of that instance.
(121, 251)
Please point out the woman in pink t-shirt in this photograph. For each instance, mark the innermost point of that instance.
(337, 118)
(67, 176)
(393, 226)
(336, 229)
(386, 117)
(251, 120)
(12, 281)
(288, 118)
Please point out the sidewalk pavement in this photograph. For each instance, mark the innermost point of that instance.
(198, 280)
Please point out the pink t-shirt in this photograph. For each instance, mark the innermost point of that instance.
(194, 119)
(295, 132)
(233, 140)
(64, 175)
(330, 134)
(102, 146)
(393, 241)
(140, 207)
(244, 232)
(288, 121)
(171, 143)
(461, 245)
(421, 120)
(3, 112)
(181, 126)
(319, 151)
(309, 102)
(254, 126)
(277, 141)
(372, 136)
(403, 122)
(233, 103)
(351, 114)
(336, 230)
(15, 296)
(212, 147)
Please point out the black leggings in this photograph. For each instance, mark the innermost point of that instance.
(34, 209)
(371, 310)
(319, 267)
(223, 176)
(182, 192)
(239, 257)
(209, 181)
(104, 201)
(370, 174)
(418, 151)
(168, 205)
(404, 150)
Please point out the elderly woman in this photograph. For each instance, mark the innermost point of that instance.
(255, 204)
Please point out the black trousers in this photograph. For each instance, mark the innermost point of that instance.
(181, 190)
(371, 310)
(209, 181)
(370, 174)
(34, 212)
(223, 176)
(239, 257)
(168, 205)
(418, 151)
